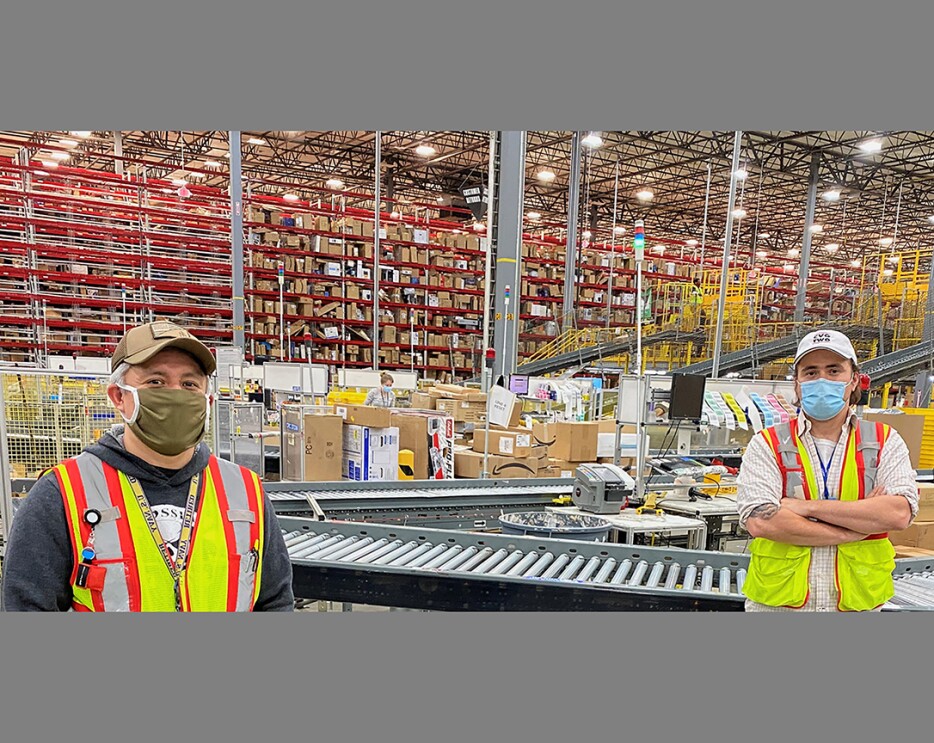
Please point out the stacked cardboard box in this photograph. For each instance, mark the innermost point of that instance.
(371, 453)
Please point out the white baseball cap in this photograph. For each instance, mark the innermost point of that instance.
(829, 340)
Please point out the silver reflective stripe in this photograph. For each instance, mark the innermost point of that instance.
(110, 514)
(794, 478)
(247, 516)
(871, 448)
(116, 593)
(238, 502)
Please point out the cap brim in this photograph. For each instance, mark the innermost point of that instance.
(822, 348)
(189, 345)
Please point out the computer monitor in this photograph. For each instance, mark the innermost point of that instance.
(519, 384)
(687, 396)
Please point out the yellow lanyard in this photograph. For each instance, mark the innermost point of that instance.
(177, 566)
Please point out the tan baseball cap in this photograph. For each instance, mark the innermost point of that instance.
(145, 341)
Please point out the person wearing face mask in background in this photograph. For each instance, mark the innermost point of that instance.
(382, 396)
(820, 493)
(147, 519)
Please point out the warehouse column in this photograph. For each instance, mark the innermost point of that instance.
(806, 240)
(570, 256)
(377, 182)
(927, 332)
(236, 239)
(118, 153)
(725, 270)
(508, 251)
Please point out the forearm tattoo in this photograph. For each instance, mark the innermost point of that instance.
(764, 512)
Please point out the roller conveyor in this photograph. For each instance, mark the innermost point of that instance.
(898, 365)
(443, 504)
(420, 568)
(450, 570)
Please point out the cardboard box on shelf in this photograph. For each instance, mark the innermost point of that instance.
(901, 551)
(365, 415)
(516, 444)
(469, 464)
(919, 534)
(925, 501)
(430, 437)
(563, 467)
(319, 442)
(371, 453)
(910, 427)
(423, 401)
(569, 441)
(462, 411)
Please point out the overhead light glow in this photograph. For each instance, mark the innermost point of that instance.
(692, 242)
(83, 135)
(586, 234)
(440, 199)
(645, 195)
(764, 235)
(794, 253)
(885, 241)
(179, 182)
(762, 254)
(42, 172)
(394, 215)
(425, 150)
(816, 228)
(534, 216)
(660, 249)
(256, 140)
(888, 272)
(739, 213)
(832, 247)
(197, 175)
(334, 183)
(741, 174)
(831, 195)
(931, 219)
(545, 175)
(619, 230)
(60, 156)
(593, 139)
(211, 164)
(290, 197)
(871, 146)
(855, 263)
(68, 142)
(789, 267)
(49, 164)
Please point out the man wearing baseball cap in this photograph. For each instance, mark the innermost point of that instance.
(147, 519)
(820, 493)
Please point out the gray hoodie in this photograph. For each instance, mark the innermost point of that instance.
(39, 561)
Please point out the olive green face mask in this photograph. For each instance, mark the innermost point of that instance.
(168, 421)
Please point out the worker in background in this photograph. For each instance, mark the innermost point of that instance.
(382, 396)
(695, 299)
(820, 493)
(147, 519)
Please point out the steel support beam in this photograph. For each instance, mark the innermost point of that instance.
(508, 251)
(570, 256)
(236, 240)
(727, 239)
(118, 153)
(813, 179)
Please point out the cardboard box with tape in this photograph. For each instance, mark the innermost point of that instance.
(510, 443)
(469, 464)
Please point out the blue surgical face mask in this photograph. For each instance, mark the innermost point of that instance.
(822, 399)
(387, 388)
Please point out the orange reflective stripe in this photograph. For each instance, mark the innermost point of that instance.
(233, 567)
(254, 493)
(126, 537)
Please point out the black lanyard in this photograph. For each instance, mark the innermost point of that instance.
(177, 566)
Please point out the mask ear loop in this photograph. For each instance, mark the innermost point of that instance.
(132, 419)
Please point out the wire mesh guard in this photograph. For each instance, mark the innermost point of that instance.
(51, 417)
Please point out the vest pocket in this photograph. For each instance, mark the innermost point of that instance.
(778, 573)
(245, 566)
(864, 574)
(110, 586)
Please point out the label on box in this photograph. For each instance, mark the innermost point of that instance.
(420, 236)
(382, 233)
(505, 446)
(335, 240)
(330, 333)
(523, 440)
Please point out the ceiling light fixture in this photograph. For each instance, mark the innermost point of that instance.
(211, 164)
(888, 272)
(425, 150)
(831, 195)
(619, 230)
(739, 213)
(49, 164)
(83, 135)
(68, 142)
(871, 146)
(741, 174)
(593, 140)
(179, 182)
(41, 172)
(765, 236)
(855, 263)
(60, 156)
(334, 183)
(394, 214)
(832, 247)
(586, 234)
(816, 228)
(534, 216)
(793, 253)
(545, 175)
(885, 241)
(645, 195)
(762, 254)
(692, 242)
(256, 140)
(290, 197)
